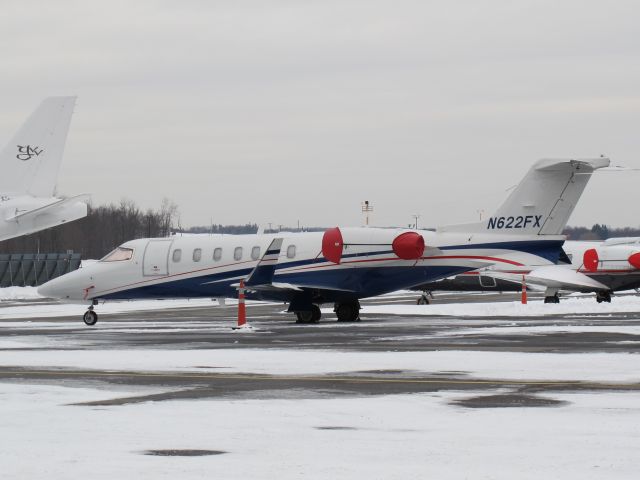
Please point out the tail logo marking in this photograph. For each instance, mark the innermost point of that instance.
(26, 152)
(514, 222)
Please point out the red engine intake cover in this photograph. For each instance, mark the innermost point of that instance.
(634, 260)
(332, 245)
(590, 260)
(408, 246)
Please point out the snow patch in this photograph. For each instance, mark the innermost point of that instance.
(19, 293)
(574, 305)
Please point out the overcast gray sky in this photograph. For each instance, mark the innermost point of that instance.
(279, 110)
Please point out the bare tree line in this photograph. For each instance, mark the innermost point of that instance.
(600, 231)
(108, 226)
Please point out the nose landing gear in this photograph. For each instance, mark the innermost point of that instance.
(90, 317)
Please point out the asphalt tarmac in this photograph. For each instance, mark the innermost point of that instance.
(208, 328)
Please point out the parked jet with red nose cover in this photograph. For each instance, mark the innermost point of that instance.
(599, 267)
(584, 266)
(338, 266)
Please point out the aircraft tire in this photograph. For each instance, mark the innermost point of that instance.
(90, 318)
(347, 312)
(316, 314)
(305, 316)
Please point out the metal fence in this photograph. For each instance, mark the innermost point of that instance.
(33, 269)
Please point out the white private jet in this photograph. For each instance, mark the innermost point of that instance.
(30, 163)
(341, 265)
(599, 267)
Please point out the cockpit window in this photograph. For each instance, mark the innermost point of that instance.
(118, 255)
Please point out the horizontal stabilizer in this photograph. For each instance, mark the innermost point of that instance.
(50, 208)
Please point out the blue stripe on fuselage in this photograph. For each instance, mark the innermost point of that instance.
(367, 281)
(547, 249)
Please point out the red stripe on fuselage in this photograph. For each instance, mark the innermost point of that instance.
(468, 257)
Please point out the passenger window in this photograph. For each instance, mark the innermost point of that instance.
(291, 251)
(177, 255)
(237, 253)
(255, 253)
(217, 254)
(197, 254)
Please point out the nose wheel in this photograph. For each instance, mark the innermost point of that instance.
(90, 317)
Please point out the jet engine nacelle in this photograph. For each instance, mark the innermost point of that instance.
(337, 241)
(408, 246)
(332, 245)
(634, 260)
(617, 257)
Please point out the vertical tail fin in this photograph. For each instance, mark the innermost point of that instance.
(31, 160)
(542, 202)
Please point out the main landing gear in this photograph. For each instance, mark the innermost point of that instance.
(90, 317)
(424, 298)
(347, 311)
(603, 297)
(309, 316)
(552, 298)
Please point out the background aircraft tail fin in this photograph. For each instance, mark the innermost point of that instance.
(542, 202)
(31, 160)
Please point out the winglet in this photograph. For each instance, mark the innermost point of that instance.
(263, 272)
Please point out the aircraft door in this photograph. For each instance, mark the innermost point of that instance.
(156, 257)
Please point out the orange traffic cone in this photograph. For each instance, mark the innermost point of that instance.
(242, 309)
(524, 291)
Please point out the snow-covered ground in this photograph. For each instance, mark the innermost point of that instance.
(19, 293)
(572, 305)
(424, 435)
(594, 436)
(603, 367)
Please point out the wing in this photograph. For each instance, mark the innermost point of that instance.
(556, 277)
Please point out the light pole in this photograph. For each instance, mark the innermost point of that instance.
(367, 208)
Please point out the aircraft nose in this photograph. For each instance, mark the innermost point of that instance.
(49, 289)
(63, 288)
